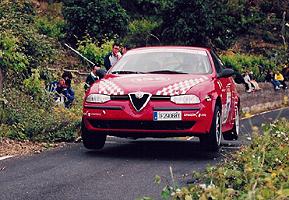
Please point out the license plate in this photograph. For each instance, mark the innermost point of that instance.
(168, 116)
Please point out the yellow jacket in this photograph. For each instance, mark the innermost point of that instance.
(279, 77)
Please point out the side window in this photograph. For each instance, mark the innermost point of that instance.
(217, 62)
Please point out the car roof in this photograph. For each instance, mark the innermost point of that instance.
(172, 47)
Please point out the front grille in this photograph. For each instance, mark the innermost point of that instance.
(139, 102)
(154, 97)
(143, 125)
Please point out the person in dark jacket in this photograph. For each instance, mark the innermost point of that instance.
(270, 77)
(111, 58)
(95, 74)
(285, 72)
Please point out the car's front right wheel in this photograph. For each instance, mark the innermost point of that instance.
(92, 140)
(212, 141)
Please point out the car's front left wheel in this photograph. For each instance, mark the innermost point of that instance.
(92, 140)
(212, 141)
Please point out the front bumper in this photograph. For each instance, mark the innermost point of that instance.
(119, 118)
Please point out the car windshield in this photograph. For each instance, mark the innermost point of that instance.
(163, 61)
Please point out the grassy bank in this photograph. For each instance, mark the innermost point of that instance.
(258, 171)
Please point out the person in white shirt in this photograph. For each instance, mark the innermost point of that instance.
(111, 58)
(247, 80)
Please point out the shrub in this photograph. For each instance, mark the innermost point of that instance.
(38, 118)
(259, 171)
(140, 31)
(27, 47)
(22, 47)
(51, 26)
(242, 62)
(98, 18)
(33, 84)
(10, 53)
(94, 50)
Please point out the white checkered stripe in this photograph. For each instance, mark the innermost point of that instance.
(109, 88)
(180, 87)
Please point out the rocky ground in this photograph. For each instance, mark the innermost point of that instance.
(251, 103)
(13, 147)
(262, 100)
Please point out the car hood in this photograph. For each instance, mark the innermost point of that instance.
(156, 84)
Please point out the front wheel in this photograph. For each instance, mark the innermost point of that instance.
(212, 141)
(92, 140)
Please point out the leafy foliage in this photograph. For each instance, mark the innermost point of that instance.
(51, 26)
(26, 48)
(242, 63)
(11, 57)
(98, 18)
(94, 50)
(259, 171)
(181, 22)
(22, 46)
(38, 118)
(140, 32)
(33, 85)
(145, 8)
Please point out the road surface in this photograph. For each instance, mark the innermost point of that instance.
(123, 170)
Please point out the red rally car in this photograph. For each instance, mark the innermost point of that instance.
(163, 92)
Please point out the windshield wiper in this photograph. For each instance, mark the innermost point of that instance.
(166, 72)
(127, 72)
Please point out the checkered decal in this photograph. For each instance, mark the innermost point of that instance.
(109, 88)
(180, 87)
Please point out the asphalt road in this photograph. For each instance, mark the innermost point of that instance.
(123, 170)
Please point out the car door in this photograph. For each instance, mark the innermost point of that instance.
(225, 86)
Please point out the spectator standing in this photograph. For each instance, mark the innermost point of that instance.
(124, 49)
(111, 58)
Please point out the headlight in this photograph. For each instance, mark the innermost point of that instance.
(97, 98)
(185, 99)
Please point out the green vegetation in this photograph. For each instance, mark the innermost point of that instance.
(32, 31)
(22, 47)
(258, 171)
(244, 62)
(51, 26)
(35, 117)
(94, 50)
(98, 18)
(28, 45)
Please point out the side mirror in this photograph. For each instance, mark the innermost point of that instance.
(226, 73)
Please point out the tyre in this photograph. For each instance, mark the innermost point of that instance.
(92, 140)
(234, 133)
(212, 141)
